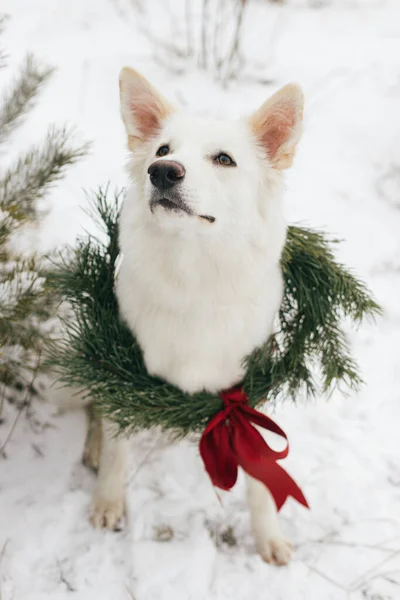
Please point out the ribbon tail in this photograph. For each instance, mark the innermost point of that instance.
(218, 458)
(282, 485)
(277, 480)
(258, 460)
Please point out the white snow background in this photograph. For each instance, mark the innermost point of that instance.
(345, 451)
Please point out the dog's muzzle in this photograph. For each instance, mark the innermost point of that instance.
(165, 174)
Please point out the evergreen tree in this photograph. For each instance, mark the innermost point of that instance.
(25, 304)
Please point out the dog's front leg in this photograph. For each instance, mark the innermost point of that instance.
(271, 544)
(108, 506)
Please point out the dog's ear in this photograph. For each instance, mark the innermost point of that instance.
(143, 108)
(277, 124)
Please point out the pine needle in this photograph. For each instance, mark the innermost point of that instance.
(24, 183)
(21, 96)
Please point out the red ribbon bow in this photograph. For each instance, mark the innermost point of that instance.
(230, 440)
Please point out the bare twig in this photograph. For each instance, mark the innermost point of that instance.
(326, 577)
(205, 16)
(2, 553)
(38, 450)
(15, 422)
(212, 40)
(370, 573)
(23, 405)
(3, 550)
(189, 28)
(221, 17)
(64, 580)
(233, 55)
(350, 545)
(3, 394)
(355, 584)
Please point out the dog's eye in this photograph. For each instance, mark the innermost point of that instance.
(225, 160)
(163, 150)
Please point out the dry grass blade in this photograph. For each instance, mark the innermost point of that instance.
(23, 406)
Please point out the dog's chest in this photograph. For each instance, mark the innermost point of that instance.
(197, 315)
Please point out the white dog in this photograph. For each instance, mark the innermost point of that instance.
(202, 231)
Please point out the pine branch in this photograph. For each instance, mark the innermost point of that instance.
(20, 98)
(24, 334)
(26, 305)
(29, 178)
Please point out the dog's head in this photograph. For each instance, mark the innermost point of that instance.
(202, 174)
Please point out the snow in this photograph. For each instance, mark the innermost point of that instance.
(344, 451)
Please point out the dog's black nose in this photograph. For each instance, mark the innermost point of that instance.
(164, 174)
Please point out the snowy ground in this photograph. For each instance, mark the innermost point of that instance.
(344, 452)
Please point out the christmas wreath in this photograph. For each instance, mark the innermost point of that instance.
(308, 352)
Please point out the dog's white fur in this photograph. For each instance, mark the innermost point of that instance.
(200, 295)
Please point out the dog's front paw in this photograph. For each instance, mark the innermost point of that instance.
(109, 514)
(276, 551)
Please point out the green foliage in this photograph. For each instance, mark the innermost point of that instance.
(27, 181)
(99, 354)
(21, 95)
(310, 349)
(25, 303)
